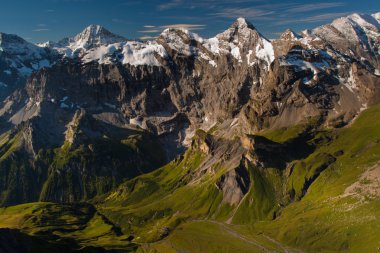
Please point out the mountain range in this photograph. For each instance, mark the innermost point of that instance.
(182, 143)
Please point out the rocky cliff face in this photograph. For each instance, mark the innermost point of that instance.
(99, 87)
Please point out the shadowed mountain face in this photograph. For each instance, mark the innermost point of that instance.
(248, 128)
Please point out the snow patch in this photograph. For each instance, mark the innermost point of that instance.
(143, 54)
(192, 36)
(213, 63)
(102, 54)
(235, 51)
(296, 60)
(212, 45)
(351, 82)
(250, 52)
(264, 51)
(207, 58)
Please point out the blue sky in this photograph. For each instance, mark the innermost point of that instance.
(42, 20)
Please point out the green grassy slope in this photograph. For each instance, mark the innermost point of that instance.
(74, 226)
(329, 218)
(73, 172)
(213, 237)
(319, 193)
(303, 205)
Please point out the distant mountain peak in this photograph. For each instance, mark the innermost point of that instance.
(95, 35)
(14, 44)
(172, 34)
(242, 23)
(376, 16)
(289, 34)
(10, 39)
(241, 28)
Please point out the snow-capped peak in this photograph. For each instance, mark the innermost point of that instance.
(376, 16)
(92, 37)
(178, 39)
(242, 23)
(290, 35)
(10, 40)
(13, 44)
(360, 29)
(354, 21)
(366, 21)
(239, 32)
(22, 56)
(174, 32)
(95, 35)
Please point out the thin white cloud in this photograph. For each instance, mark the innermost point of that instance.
(150, 31)
(170, 5)
(314, 6)
(184, 26)
(41, 30)
(159, 29)
(313, 19)
(324, 17)
(149, 26)
(250, 13)
(260, 10)
(210, 4)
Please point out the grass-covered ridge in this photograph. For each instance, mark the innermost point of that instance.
(72, 172)
(67, 226)
(330, 217)
(303, 205)
(95, 168)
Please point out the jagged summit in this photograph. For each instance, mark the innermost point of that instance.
(355, 23)
(289, 34)
(241, 30)
(95, 35)
(355, 34)
(6, 39)
(365, 20)
(174, 33)
(242, 23)
(21, 56)
(376, 16)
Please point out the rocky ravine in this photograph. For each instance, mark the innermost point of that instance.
(65, 103)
